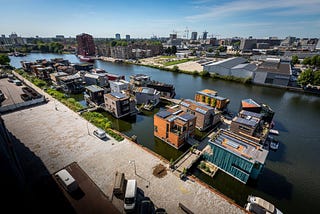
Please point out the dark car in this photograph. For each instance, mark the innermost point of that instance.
(146, 206)
(160, 211)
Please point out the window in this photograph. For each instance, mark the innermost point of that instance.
(155, 128)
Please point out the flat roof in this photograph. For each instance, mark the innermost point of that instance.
(94, 88)
(250, 113)
(240, 146)
(248, 122)
(163, 114)
(118, 95)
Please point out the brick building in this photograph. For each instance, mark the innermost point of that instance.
(86, 46)
(174, 126)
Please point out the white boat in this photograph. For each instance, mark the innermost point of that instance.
(273, 131)
(258, 205)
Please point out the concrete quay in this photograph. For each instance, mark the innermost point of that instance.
(59, 136)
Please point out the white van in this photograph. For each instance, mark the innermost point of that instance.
(100, 133)
(68, 182)
(130, 195)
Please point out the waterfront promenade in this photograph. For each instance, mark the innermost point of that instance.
(59, 136)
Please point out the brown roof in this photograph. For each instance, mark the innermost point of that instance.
(274, 67)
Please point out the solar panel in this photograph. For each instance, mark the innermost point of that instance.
(172, 119)
(246, 122)
(185, 117)
(163, 114)
(201, 111)
(249, 113)
(185, 104)
(233, 144)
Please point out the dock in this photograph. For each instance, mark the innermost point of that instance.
(171, 100)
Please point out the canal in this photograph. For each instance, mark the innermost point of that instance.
(291, 177)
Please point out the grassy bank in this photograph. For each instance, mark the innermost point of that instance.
(94, 117)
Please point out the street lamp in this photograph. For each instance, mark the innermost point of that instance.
(135, 172)
(134, 163)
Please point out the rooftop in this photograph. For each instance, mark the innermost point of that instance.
(275, 67)
(196, 106)
(250, 114)
(116, 95)
(229, 63)
(249, 103)
(247, 66)
(172, 114)
(94, 88)
(240, 146)
(250, 121)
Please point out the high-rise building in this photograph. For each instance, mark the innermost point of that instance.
(118, 36)
(86, 46)
(127, 37)
(194, 35)
(204, 35)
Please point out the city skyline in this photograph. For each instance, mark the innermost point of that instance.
(145, 19)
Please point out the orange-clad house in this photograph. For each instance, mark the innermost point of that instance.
(211, 98)
(174, 126)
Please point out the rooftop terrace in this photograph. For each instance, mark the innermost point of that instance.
(240, 146)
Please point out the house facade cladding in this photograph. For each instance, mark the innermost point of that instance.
(86, 46)
(236, 155)
(210, 98)
(119, 105)
(206, 116)
(174, 127)
(94, 93)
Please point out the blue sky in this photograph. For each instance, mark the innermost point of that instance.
(142, 19)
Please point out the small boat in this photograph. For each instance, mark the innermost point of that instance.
(274, 144)
(86, 59)
(273, 131)
(258, 205)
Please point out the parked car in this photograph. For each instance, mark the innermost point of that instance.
(160, 211)
(100, 133)
(146, 206)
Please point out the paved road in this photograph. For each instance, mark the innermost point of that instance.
(59, 136)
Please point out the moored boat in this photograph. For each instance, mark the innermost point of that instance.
(86, 59)
(258, 205)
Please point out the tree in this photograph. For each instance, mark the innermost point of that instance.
(174, 49)
(217, 54)
(168, 51)
(4, 59)
(306, 77)
(210, 50)
(294, 59)
(222, 48)
(306, 61)
(316, 78)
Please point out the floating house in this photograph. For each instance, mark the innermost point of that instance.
(174, 126)
(94, 94)
(235, 155)
(211, 98)
(145, 95)
(253, 106)
(119, 105)
(206, 116)
(119, 86)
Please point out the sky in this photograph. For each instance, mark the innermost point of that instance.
(146, 18)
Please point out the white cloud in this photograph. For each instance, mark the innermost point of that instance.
(238, 6)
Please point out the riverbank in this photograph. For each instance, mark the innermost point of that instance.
(194, 68)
